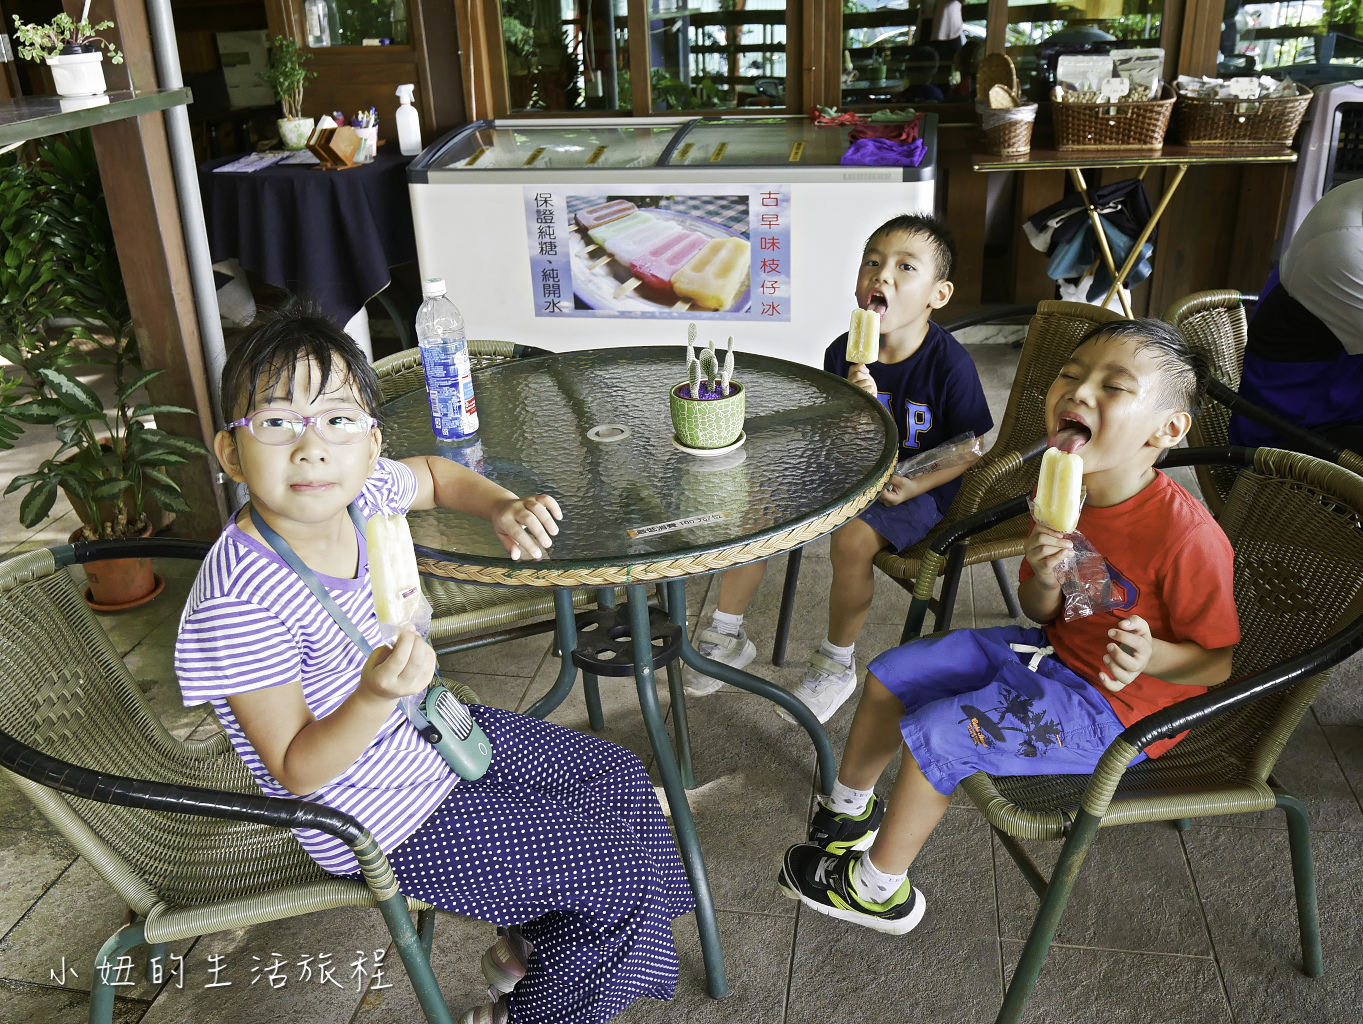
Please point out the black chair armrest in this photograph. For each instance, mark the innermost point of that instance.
(160, 796)
(132, 547)
(1176, 718)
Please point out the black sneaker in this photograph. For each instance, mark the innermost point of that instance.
(823, 883)
(839, 833)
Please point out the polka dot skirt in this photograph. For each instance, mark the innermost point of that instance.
(563, 836)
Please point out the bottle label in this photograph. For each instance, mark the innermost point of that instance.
(449, 385)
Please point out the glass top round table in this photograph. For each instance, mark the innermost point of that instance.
(593, 429)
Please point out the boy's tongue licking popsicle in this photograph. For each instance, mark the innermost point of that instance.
(863, 337)
(392, 569)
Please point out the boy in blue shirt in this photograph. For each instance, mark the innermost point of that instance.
(930, 385)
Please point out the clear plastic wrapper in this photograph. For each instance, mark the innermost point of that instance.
(958, 451)
(1085, 583)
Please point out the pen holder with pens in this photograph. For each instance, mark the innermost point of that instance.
(369, 144)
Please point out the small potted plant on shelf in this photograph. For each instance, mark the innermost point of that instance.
(285, 75)
(63, 305)
(71, 49)
(707, 407)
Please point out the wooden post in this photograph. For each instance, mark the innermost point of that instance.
(134, 163)
(640, 59)
(996, 26)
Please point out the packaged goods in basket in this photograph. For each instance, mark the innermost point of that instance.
(1142, 69)
(1109, 120)
(1249, 111)
(1006, 118)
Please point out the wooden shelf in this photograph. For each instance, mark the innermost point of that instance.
(32, 117)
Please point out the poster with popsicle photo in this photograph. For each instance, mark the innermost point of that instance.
(684, 253)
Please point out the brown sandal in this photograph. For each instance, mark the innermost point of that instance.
(489, 1013)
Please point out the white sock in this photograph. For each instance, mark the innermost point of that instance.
(723, 622)
(871, 883)
(846, 800)
(838, 654)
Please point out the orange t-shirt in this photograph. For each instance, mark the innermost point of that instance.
(1172, 565)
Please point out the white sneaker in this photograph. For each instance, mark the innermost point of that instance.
(825, 688)
(736, 651)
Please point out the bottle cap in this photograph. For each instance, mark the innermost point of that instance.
(433, 287)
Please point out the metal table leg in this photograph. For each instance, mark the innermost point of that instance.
(1078, 177)
(1146, 231)
(676, 602)
(778, 649)
(567, 643)
(713, 954)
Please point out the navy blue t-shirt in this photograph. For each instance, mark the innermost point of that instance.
(933, 395)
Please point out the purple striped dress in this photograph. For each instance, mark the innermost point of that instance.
(250, 623)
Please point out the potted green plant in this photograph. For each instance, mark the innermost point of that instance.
(707, 408)
(62, 304)
(285, 75)
(71, 49)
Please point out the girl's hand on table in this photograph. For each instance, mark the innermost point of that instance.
(402, 669)
(861, 377)
(525, 525)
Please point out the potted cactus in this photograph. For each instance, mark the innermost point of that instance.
(707, 407)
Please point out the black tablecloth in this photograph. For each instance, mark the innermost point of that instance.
(329, 235)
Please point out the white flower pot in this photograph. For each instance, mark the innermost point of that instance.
(295, 131)
(78, 74)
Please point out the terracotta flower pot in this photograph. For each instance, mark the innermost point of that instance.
(116, 584)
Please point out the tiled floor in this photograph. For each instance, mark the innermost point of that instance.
(1164, 926)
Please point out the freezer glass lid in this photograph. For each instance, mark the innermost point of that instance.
(762, 142)
(506, 147)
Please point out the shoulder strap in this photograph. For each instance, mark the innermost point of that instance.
(310, 580)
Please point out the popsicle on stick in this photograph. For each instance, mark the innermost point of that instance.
(595, 216)
(392, 569)
(634, 243)
(656, 267)
(1059, 491)
(863, 337)
(716, 275)
(603, 234)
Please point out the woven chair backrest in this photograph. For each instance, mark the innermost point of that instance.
(1052, 336)
(402, 372)
(1215, 322)
(65, 691)
(1296, 524)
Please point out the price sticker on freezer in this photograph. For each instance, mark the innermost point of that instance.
(596, 155)
(535, 155)
(476, 156)
(797, 151)
(685, 151)
(718, 154)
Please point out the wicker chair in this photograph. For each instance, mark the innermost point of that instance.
(1215, 321)
(465, 614)
(1008, 468)
(179, 829)
(1296, 524)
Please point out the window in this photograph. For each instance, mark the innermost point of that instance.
(1280, 36)
(1039, 33)
(895, 51)
(355, 22)
(709, 54)
(566, 55)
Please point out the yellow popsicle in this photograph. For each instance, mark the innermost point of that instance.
(717, 274)
(392, 569)
(863, 337)
(1058, 491)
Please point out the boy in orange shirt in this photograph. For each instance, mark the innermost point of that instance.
(1020, 701)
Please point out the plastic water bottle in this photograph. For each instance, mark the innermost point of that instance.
(445, 358)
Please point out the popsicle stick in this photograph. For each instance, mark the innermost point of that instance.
(603, 259)
(682, 306)
(627, 287)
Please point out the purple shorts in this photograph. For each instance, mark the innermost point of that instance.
(972, 703)
(905, 524)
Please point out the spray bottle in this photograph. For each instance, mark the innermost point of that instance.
(409, 125)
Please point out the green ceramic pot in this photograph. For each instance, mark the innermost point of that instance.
(715, 423)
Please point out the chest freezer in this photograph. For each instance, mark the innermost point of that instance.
(571, 234)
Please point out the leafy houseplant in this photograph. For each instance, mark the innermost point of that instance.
(57, 262)
(71, 49)
(707, 408)
(285, 75)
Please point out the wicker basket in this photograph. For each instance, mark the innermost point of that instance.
(1266, 122)
(995, 69)
(1139, 124)
(1006, 132)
